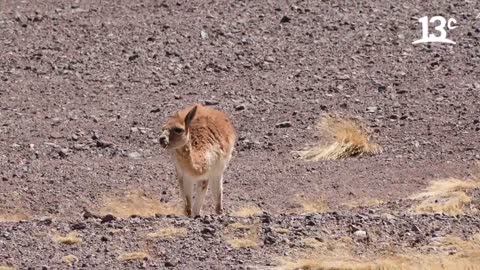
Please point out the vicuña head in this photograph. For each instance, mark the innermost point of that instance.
(201, 141)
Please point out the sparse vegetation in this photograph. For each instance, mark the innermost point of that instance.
(243, 235)
(7, 216)
(248, 241)
(280, 230)
(131, 256)
(467, 257)
(366, 202)
(69, 259)
(139, 204)
(69, 239)
(5, 267)
(168, 232)
(312, 205)
(445, 196)
(348, 136)
(248, 211)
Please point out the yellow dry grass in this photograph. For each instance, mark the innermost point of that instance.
(249, 241)
(467, 257)
(349, 138)
(132, 256)
(137, 203)
(312, 205)
(249, 238)
(5, 267)
(248, 211)
(69, 239)
(69, 259)
(168, 232)
(445, 196)
(6, 216)
(280, 230)
(366, 202)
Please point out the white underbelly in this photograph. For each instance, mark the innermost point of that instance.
(216, 164)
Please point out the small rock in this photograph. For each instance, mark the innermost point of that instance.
(269, 59)
(45, 221)
(55, 135)
(56, 120)
(135, 155)
(95, 135)
(211, 102)
(203, 34)
(133, 57)
(63, 152)
(78, 226)
(74, 137)
(170, 263)
(208, 230)
(104, 239)
(79, 146)
(285, 19)
(108, 218)
(177, 97)
(360, 234)
(372, 109)
(240, 107)
(416, 229)
(285, 124)
(266, 218)
(104, 144)
(269, 240)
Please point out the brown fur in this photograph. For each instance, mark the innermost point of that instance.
(201, 140)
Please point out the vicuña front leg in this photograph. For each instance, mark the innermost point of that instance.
(217, 190)
(186, 188)
(201, 192)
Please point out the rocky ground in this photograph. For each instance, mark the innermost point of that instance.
(86, 85)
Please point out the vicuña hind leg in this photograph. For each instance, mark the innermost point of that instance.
(217, 190)
(201, 192)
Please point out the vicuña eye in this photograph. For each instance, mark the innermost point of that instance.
(178, 130)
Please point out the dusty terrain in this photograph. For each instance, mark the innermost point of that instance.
(85, 87)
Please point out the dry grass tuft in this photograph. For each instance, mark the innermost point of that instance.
(445, 196)
(349, 138)
(69, 239)
(69, 259)
(249, 241)
(136, 203)
(6, 216)
(5, 267)
(312, 205)
(168, 232)
(243, 235)
(280, 230)
(131, 256)
(397, 262)
(467, 257)
(366, 202)
(476, 238)
(248, 211)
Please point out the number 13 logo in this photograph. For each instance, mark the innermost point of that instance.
(441, 28)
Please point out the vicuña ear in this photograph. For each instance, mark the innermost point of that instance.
(190, 116)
